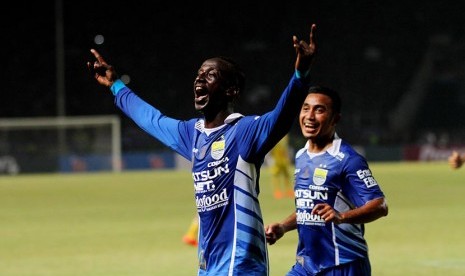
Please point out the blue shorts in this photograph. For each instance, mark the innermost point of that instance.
(359, 267)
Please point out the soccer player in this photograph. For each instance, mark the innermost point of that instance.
(336, 194)
(281, 170)
(456, 160)
(227, 150)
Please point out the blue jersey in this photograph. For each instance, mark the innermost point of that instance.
(225, 169)
(340, 177)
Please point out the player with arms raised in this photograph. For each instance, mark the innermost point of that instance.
(227, 150)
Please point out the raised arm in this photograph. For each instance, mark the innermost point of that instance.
(275, 124)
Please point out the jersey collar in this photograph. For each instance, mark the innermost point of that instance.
(333, 150)
(232, 117)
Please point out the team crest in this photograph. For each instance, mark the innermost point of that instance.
(217, 149)
(319, 176)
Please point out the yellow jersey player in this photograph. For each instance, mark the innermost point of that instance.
(191, 236)
(281, 169)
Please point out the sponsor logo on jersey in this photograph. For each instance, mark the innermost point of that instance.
(217, 163)
(304, 203)
(207, 203)
(367, 177)
(203, 180)
(317, 188)
(306, 218)
(315, 195)
(204, 186)
(319, 176)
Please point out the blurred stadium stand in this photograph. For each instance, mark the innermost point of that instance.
(398, 66)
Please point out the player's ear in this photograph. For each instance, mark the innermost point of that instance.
(232, 92)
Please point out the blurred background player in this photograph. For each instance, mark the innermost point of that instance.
(281, 169)
(456, 160)
(191, 236)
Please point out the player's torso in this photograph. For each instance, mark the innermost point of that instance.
(214, 158)
(317, 180)
(320, 179)
(226, 201)
(213, 167)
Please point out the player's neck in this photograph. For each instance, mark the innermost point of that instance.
(320, 144)
(217, 120)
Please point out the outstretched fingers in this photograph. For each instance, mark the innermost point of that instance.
(304, 47)
(312, 34)
(97, 56)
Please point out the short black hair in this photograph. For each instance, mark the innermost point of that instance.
(331, 93)
(234, 72)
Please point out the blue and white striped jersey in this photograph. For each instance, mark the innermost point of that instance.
(225, 169)
(340, 177)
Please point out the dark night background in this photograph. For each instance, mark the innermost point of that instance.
(370, 51)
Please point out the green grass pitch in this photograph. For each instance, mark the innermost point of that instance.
(131, 223)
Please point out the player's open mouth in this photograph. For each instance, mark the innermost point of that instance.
(200, 93)
(200, 90)
(309, 125)
(200, 99)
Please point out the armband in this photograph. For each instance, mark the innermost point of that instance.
(117, 86)
(299, 75)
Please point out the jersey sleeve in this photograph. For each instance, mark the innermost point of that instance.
(261, 133)
(173, 133)
(360, 185)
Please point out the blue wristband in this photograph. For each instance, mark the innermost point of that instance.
(298, 74)
(117, 86)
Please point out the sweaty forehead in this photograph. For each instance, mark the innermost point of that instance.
(214, 63)
(317, 99)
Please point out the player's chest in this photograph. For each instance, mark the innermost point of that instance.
(318, 174)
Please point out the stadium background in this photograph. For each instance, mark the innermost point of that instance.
(399, 66)
(374, 52)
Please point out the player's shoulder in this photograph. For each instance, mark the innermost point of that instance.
(300, 152)
(343, 150)
(350, 157)
(349, 148)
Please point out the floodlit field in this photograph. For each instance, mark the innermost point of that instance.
(131, 223)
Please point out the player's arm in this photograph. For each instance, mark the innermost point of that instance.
(291, 99)
(266, 131)
(173, 133)
(275, 231)
(360, 192)
(372, 210)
